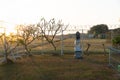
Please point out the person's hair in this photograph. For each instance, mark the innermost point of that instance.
(77, 35)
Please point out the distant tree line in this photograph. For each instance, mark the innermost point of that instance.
(99, 31)
(102, 31)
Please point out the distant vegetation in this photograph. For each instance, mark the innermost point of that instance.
(116, 38)
(99, 31)
(102, 31)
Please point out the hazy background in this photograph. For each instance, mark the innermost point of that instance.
(74, 12)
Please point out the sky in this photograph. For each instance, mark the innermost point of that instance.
(73, 12)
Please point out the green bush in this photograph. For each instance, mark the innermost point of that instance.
(116, 41)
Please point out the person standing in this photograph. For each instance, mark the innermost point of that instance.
(77, 47)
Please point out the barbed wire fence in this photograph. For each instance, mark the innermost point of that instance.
(70, 33)
(83, 29)
(114, 54)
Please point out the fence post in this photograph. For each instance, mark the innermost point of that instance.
(82, 43)
(109, 57)
(42, 44)
(111, 35)
(61, 40)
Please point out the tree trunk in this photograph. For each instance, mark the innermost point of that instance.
(53, 46)
(27, 51)
(7, 60)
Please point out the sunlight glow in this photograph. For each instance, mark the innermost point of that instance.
(7, 28)
(74, 12)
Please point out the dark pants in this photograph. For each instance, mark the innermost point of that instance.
(78, 54)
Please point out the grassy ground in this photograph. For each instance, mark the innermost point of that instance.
(48, 67)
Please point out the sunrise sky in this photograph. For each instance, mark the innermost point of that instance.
(74, 12)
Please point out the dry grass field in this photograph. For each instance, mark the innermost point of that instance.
(66, 67)
(48, 67)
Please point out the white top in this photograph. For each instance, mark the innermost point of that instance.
(77, 45)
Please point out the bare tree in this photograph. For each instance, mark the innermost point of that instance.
(50, 29)
(9, 45)
(27, 34)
